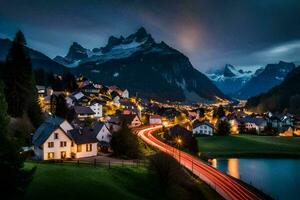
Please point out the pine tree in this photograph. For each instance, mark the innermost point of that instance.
(17, 77)
(13, 175)
(61, 109)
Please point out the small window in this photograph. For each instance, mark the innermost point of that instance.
(55, 135)
(63, 144)
(88, 147)
(51, 155)
(72, 144)
(50, 144)
(79, 148)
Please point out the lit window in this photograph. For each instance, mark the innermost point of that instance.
(88, 147)
(50, 144)
(50, 155)
(79, 148)
(63, 144)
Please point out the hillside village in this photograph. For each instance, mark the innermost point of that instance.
(81, 123)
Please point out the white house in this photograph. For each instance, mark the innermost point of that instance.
(97, 108)
(202, 128)
(56, 139)
(102, 132)
(155, 119)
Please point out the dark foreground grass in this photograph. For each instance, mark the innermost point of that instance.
(68, 181)
(55, 181)
(249, 146)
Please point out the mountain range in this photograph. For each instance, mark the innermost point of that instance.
(139, 63)
(242, 84)
(284, 97)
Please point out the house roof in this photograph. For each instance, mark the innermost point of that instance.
(257, 121)
(178, 130)
(83, 110)
(198, 123)
(83, 136)
(45, 130)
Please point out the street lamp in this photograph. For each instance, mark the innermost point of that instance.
(179, 142)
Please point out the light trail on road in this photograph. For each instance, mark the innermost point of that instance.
(226, 186)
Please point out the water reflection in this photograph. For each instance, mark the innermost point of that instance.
(231, 164)
(279, 178)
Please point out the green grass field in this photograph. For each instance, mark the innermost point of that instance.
(249, 146)
(55, 181)
(68, 181)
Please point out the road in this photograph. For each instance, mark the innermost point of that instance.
(226, 186)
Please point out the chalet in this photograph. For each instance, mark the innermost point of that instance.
(131, 120)
(113, 123)
(255, 123)
(103, 133)
(97, 109)
(83, 112)
(155, 120)
(55, 139)
(202, 128)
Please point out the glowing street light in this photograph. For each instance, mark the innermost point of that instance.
(179, 143)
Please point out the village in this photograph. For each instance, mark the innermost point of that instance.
(81, 124)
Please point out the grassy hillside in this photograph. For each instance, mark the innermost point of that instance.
(53, 181)
(249, 146)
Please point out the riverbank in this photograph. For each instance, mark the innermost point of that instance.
(249, 146)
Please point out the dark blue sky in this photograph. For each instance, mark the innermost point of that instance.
(210, 32)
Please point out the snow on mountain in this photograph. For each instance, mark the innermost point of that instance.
(230, 79)
(116, 48)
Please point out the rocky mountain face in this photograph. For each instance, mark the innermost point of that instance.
(243, 84)
(284, 97)
(272, 75)
(150, 69)
(229, 79)
(39, 60)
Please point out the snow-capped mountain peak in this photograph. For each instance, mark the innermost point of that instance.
(116, 48)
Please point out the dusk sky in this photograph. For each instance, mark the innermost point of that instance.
(210, 32)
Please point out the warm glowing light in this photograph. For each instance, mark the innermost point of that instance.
(233, 167)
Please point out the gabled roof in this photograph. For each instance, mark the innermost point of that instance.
(45, 130)
(83, 136)
(198, 123)
(257, 121)
(178, 130)
(83, 110)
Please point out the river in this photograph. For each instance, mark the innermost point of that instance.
(279, 178)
